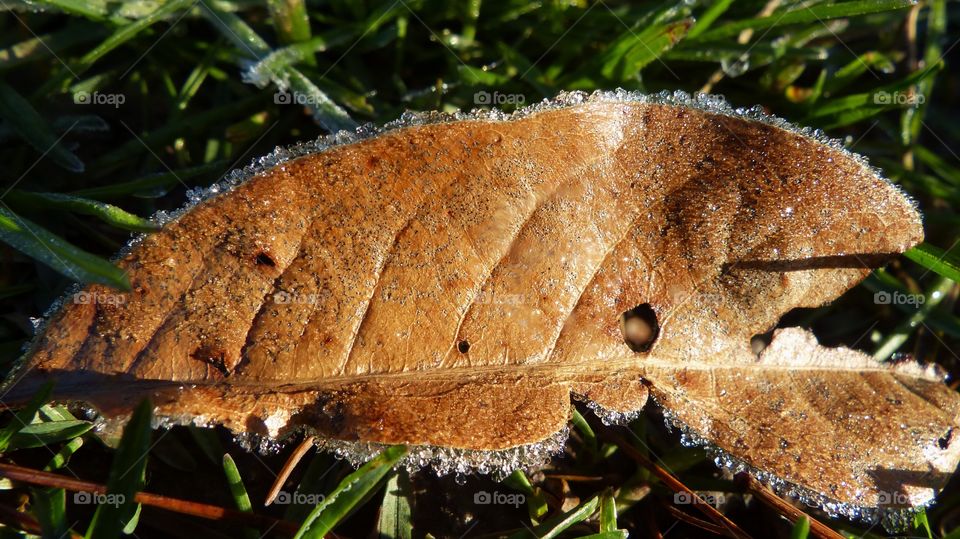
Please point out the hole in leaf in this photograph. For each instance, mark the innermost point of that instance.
(944, 441)
(263, 259)
(640, 328)
(760, 342)
(463, 347)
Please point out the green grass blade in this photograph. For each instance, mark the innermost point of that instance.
(327, 113)
(119, 37)
(873, 98)
(396, 519)
(933, 297)
(938, 164)
(518, 481)
(709, 16)
(41, 47)
(134, 520)
(921, 522)
(471, 15)
(912, 119)
(801, 529)
(56, 412)
(47, 248)
(49, 506)
(48, 433)
(126, 476)
(237, 490)
(608, 512)
(28, 123)
(589, 437)
(62, 457)
(339, 503)
(847, 74)
(194, 81)
(853, 115)
(536, 502)
(638, 50)
(92, 10)
(937, 260)
(154, 184)
(24, 416)
(244, 38)
(553, 527)
(107, 213)
(760, 54)
(290, 19)
(279, 59)
(806, 15)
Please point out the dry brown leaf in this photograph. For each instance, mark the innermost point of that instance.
(450, 282)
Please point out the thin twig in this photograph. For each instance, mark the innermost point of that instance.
(202, 510)
(575, 478)
(778, 504)
(653, 531)
(287, 469)
(676, 485)
(692, 520)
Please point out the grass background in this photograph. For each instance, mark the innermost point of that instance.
(113, 111)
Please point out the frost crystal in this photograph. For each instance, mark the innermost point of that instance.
(461, 462)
